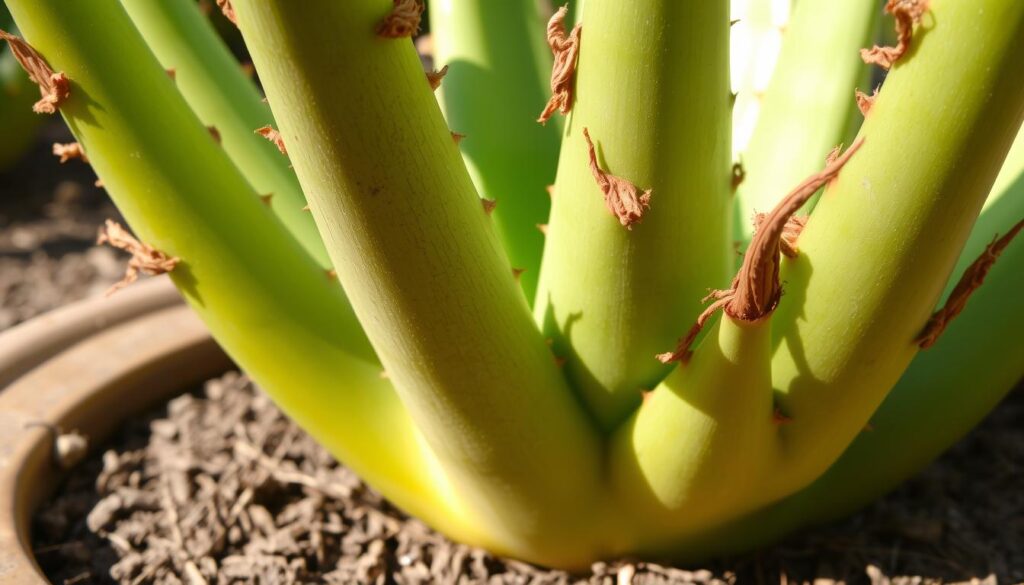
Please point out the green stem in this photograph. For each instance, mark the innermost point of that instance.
(652, 88)
(950, 387)
(684, 461)
(936, 402)
(218, 91)
(882, 241)
(807, 106)
(425, 272)
(497, 83)
(264, 299)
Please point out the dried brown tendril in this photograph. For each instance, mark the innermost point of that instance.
(624, 199)
(907, 13)
(69, 151)
(972, 278)
(274, 136)
(145, 258)
(566, 50)
(402, 21)
(756, 290)
(790, 233)
(55, 88)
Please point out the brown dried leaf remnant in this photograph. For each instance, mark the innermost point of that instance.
(566, 49)
(55, 88)
(145, 258)
(435, 76)
(790, 233)
(228, 10)
(69, 151)
(907, 13)
(865, 101)
(756, 290)
(624, 199)
(972, 278)
(402, 21)
(274, 136)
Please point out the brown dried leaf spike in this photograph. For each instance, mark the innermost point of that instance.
(55, 88)
(434, 77)
(566, 50)
(69, 151)
(274, 136)
(228, 10)
(145, 258)
(402, 21)
(972, 278)
(756, 290)
(623, 198)
(865, 101)
(907, 13)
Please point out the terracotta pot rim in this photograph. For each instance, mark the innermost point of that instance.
(86, 368)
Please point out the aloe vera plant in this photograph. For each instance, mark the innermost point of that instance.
(484, 352)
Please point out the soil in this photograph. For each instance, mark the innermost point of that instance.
(49, 217)
(219, 487)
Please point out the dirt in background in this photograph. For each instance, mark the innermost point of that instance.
(220, 487)
(49, 216)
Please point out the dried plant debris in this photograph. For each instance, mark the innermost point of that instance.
(756, 290)
(55, 88)
(228, 10)
(434, 77)
(624, 199)
(221, 488)
(907, 13)
(144, 259)
(68, 151)
(972, 278)
(790, 233)
(403, 20)
(566, 50)
(865, 101)
(273, 136)
(488, 205)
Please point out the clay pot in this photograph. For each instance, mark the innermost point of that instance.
(85, 369)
